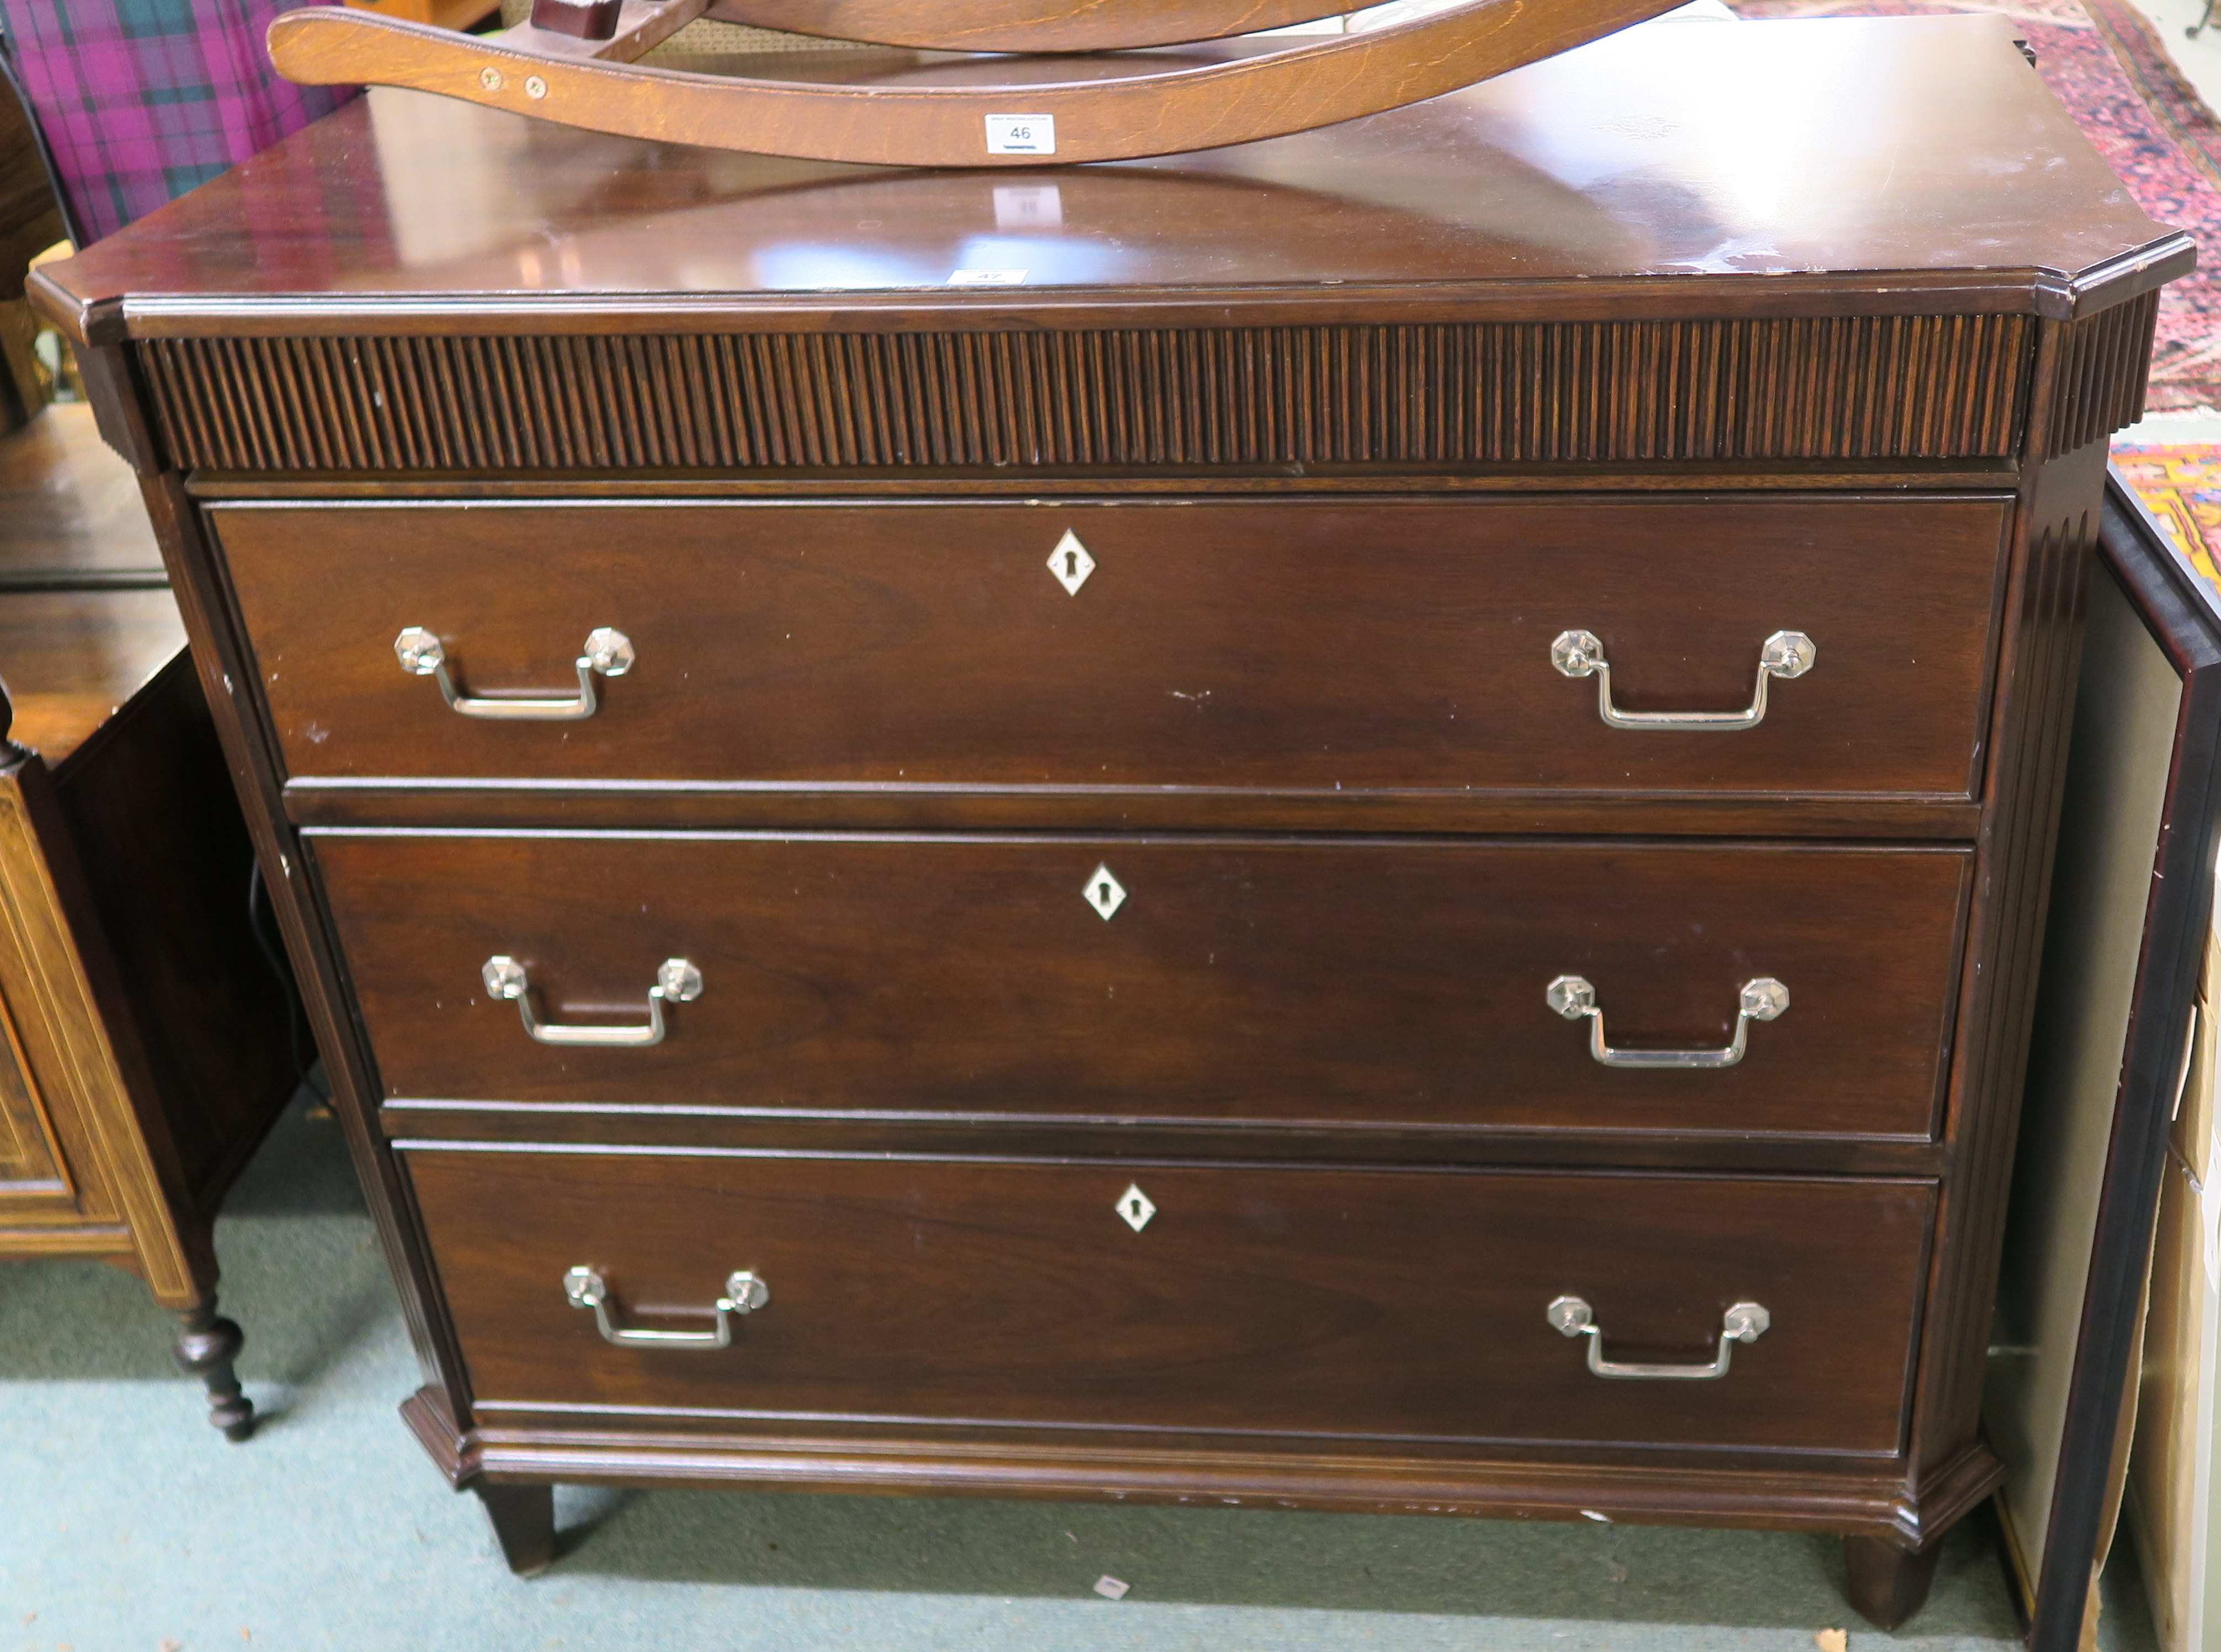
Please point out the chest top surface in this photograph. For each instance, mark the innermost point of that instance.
(1764, 159)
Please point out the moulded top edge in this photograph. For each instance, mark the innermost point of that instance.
(1651, 298)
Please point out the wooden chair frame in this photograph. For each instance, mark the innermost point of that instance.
(1055, 118)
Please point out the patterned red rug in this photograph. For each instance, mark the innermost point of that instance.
(2181, 486)
(2110, 67)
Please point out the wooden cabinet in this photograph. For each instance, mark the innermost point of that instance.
(1376, 840)
(145, 1029)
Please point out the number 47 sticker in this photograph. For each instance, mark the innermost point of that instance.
(1022, 134)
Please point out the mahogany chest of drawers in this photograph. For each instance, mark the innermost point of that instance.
(1367, 832)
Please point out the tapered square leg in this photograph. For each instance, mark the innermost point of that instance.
(207, 1347)
(524, 1521)
(1886, 1584)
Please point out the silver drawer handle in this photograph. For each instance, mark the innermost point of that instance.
(677, 981)
(1763, 999)
(1784, 654)
(744, 1293)
(1746, 1322)
(611, 653)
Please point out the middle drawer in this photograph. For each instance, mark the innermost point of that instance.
(1734, 989)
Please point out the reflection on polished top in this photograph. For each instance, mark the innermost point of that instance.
(1675, 148)
(70, 513)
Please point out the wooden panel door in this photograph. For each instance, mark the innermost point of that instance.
(30, 1160)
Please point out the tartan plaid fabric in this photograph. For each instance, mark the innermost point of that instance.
(141, 100)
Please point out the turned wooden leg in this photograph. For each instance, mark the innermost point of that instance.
(524, 1520)
(1886, 1584)
(206, 1347)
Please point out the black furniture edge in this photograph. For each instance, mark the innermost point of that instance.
(2183, 614)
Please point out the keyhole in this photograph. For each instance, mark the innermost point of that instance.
(1072, 565)
(1102, 892)
(1133, 1208)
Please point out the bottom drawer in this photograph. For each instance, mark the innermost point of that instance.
(1325, 1302)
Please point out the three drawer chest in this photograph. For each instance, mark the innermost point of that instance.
(1360, 823)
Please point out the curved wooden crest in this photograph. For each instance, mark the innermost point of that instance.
(1022, 25)
(1113, 113)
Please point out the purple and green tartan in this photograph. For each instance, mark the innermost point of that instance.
(141, 100)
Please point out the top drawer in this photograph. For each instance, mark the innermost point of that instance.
(1272, 644)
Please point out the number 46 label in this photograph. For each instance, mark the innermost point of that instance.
(1022, 134)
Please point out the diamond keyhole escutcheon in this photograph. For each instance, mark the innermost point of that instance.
(1104, 892)
(1071, 563)
(1135, 1208)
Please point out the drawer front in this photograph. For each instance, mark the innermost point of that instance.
(1287, 1302)
(1305, 646)
(1351, 981)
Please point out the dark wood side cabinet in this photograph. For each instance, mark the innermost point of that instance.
(146, 1032)
(1356, 824)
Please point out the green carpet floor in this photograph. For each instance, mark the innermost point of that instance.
(128, 1525)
